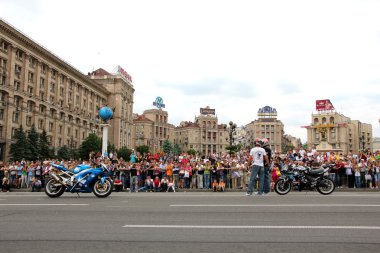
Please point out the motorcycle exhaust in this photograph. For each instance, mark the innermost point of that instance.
(58, 179)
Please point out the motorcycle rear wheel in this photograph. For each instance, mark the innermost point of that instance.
(282, 187)
(54, 189)
(326, 186)
(102, 190)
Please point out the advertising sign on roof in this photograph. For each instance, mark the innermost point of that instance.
(324, 105)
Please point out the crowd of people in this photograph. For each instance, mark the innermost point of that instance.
(216, 172)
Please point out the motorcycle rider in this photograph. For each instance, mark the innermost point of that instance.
(257, 155)
(267, 165)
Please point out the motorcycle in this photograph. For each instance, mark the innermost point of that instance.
(302, 177)
(82, 179)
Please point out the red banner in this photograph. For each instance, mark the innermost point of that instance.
(324, 105)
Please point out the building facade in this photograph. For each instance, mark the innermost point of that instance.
(266, 126)
(120, 98)
(37, 87)
(205, 135)
(332, 131)
(152, 129)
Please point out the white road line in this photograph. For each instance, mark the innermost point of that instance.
(282, 205)
(43, 204)
(256, 227)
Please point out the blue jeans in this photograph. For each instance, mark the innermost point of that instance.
(358, 182)
(206, 181)
(134, 183)
(256, 170)
(267, 178)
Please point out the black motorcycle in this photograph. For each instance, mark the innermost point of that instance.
(305, 178)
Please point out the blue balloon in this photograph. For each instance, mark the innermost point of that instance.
(105, 113)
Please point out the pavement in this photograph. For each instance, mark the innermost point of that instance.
(190, 222)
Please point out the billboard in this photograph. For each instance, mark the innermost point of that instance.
(324, 105)
(207, 111)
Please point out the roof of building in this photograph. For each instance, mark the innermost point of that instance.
(141, 118)
(100, 72)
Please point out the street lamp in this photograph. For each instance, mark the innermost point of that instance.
(231, 133)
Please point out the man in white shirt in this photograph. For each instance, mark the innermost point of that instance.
(258, 155)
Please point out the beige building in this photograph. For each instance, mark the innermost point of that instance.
(37, 87)
(332, 131)
(152, 129)
(266, 126)
(204, 135)
(120, 98)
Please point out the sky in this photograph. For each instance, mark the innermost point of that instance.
(234, 56)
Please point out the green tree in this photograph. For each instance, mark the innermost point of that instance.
(19, 146)
(111, 148)
(142, 149)
(63, 153)
(124, 153)
(176, 149)
(44, 150)
(191, 152)
(167, 146)
(91, 144)
(33, 144)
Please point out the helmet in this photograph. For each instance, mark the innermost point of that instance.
(265, 142)
(257, 142)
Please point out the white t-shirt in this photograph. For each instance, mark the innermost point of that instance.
(258, 154)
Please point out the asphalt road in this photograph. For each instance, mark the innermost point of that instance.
(190, 222)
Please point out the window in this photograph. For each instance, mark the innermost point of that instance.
(62, 79)
(18, 71)
(1, 131)
(32, 62)
(43, 68)
(16, 85)
(3, 63)
(1, 114)
(51, 126)
(2, 80)
(29, 106)
(4, 46)
(41, 124)
(42, 83)
(53, 73)
(42, 95)
(61, 91)
(52, 87)
(28, 120)
(60, 129)
(30, 90)
(15, 117)
(19, 55)
(30, 77)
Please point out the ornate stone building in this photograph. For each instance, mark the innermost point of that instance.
(204, 135)
(37, 87)
(332, 131)
(266, 126)
(152, 129)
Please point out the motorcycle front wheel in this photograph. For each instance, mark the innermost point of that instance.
(54, 189)
(102, 190)
(282, 186)
(326, 186)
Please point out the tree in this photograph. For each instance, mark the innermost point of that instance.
(44, 150)
(142, 149)
(167, 146)
(91, 144)
(111, 148)
(177, 149)
(63, 153)
(124, 153)
(191, 152)
(33, 141)
(19, 147)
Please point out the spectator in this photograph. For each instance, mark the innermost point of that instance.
(118, 184)
(156, 184)
(148, 184)
(164, 184)
(36, 185)
(5, 183)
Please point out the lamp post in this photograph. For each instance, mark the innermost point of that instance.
(231, 133)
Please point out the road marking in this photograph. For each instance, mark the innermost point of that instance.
(281, 205)
(43, 204)
(255, 227)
